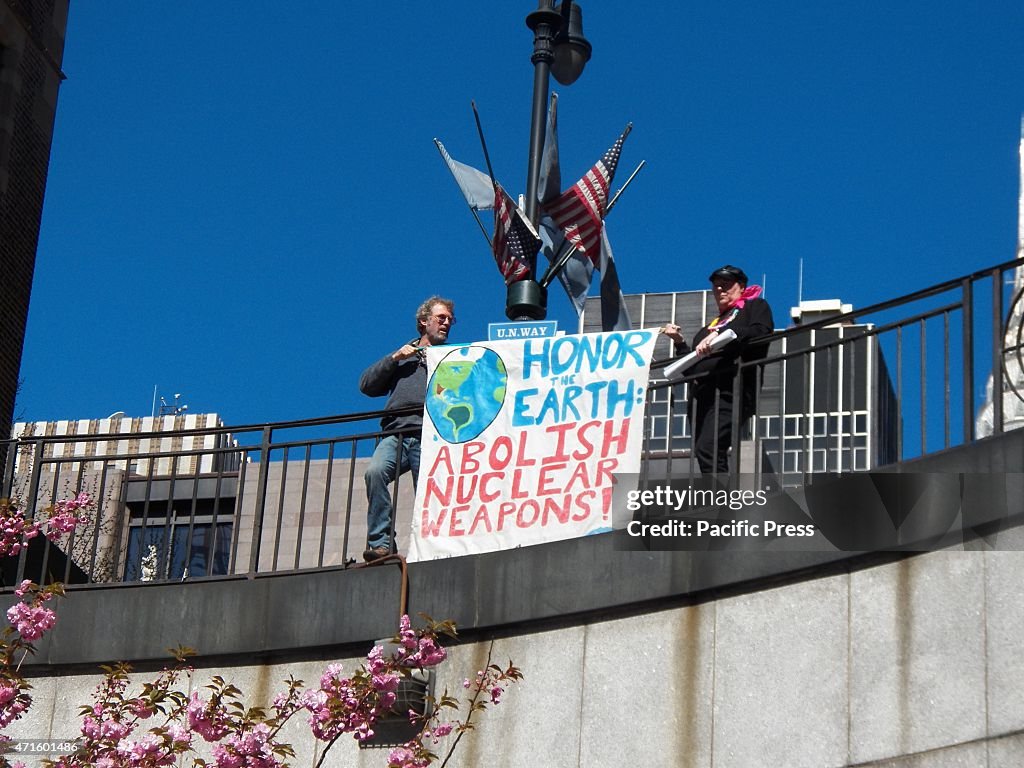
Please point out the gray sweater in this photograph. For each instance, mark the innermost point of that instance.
(406, 384)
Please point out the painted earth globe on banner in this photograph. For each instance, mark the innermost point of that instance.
(465, 393)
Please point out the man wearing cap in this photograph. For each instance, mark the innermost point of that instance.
(741, 310)
(402, 375)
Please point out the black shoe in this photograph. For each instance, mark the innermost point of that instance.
(375, 553)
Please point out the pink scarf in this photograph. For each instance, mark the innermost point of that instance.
(750, 292)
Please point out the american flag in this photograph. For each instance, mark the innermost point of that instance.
(580, 210)
(515, 242)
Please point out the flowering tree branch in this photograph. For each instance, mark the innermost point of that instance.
(158, 725)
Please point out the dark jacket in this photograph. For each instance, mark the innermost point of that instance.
(716, 371)
(406, 383)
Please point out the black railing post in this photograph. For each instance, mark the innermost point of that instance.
(8, 459)
(899, 394)
(280, 509)
(716, 421)
(30, 505)
(967, 287)
(236, 526)
(395, 490)
(347, 524)
(261, 500)
(646, 443)
(923, 383)
(998, 342)
(780, 434)
(947, 372)
(691, 412)
(327, 500)
(300, 527)
(808, 363)
(121, 529)
(94, 551)
(737, 407)
(34, 481)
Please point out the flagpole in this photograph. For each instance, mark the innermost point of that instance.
(525, 299)
(554, 31)
(483, 143)
(546, 23)
(472, 210)
(560, 261)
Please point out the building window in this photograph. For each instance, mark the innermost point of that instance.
(177, 548)
(668, 425)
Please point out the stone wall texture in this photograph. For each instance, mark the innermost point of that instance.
(911, 664)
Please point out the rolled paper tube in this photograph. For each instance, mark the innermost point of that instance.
(679, 366)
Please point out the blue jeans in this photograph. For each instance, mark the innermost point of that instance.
(379, 475)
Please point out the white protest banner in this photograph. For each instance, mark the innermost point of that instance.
(521, 439)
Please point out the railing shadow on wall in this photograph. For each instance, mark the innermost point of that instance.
(875, 387)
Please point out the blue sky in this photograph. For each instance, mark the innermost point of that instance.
(245, 205)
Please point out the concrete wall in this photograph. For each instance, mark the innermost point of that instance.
(913, 664)
(710, 659)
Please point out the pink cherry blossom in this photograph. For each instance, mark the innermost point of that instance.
(14, 709)
(206, 718)
(114, 730)
(31, 621)
(141, 709)
(404, 757)
(250, 749)
(407, 636)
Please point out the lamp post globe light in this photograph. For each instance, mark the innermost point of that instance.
(559, 49)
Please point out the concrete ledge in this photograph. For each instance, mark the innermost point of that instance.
(563, 581)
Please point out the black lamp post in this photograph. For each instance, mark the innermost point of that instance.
(559, 49)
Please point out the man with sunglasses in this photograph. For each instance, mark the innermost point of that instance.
(402, 375)
(742, 310)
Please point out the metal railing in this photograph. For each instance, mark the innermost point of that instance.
(881, 385)
(276, 497)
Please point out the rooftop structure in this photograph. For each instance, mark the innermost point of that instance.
(820, 309)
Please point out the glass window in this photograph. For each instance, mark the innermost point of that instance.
(818, 460)
(172, 549)
(791, 461)
(861, 423)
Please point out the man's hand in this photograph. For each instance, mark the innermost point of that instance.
(404, 352)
